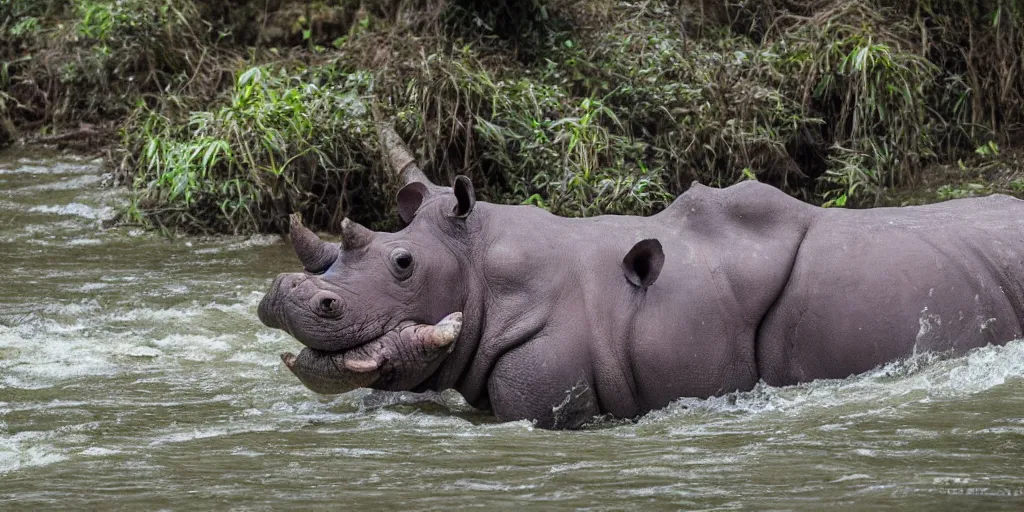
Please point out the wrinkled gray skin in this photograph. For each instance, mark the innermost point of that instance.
(396, 361)
(568, 319)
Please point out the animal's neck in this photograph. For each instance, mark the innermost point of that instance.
(512, 273)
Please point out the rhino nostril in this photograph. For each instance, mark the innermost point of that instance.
(328, 304)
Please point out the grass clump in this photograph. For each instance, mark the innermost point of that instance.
(92, 61)
(281, 142)
(901, 85)
(860, 72)
(527, 140)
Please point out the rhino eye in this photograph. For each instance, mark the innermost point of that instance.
(401, 263)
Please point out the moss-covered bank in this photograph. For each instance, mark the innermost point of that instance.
(232, 115)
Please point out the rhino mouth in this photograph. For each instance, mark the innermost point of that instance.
(399, 360)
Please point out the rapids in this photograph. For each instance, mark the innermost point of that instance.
(134, 374)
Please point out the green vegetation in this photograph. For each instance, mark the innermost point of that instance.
(584, 108)
(285, 141)
(89, 62)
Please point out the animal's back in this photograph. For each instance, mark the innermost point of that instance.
(872, 286)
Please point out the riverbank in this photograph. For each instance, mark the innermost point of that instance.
(265, 108)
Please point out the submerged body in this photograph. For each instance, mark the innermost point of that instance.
(755, 285)
(568, 319)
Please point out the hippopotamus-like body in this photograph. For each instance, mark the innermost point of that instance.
(566, 319)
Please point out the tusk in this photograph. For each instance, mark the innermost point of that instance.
(423, 348)
(443, 334)
(322, 375)
(361, 365)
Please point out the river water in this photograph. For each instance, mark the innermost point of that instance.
(134, 375)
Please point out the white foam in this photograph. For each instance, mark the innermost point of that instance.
(175, 289)
(184, 436)
(65, 341)
(245, 452)
(143, 352)
(358, 452)
(162, 315)
(255, 358)
(76, 309)
(256, 241)
(56, 165)
(415, 420)
(241, 309)
(81, 242)
(483, 485)
(848, 478)
(663, 490)
(97, 451)
(240, 245)
(74, 183)
(920, 378)
(193, 347)
(26, 169)
(77, 210)
(26, 450)
(575, 466)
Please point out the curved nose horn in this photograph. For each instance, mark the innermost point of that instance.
(402, 161)
(315, 254)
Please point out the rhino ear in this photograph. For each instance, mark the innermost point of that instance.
(409, 200)
(464, 192)
(642, 264)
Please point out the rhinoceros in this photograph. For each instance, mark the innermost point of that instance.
(560, 320)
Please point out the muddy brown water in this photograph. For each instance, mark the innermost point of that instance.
(134, 375)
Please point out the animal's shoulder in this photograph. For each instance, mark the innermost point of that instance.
(748, 201)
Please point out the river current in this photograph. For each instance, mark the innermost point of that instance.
(134, 375)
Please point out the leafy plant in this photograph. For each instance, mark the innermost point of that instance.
(28, 25)
(947, 192)
(989, 149)
(281, 143)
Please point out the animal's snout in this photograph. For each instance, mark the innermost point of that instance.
(285, 283)
(326, 303)
(269, 310)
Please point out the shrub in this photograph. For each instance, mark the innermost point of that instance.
(580, 107)
(281, 143)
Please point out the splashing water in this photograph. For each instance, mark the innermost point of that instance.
(134, 374)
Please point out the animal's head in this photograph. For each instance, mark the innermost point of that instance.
(355, 294)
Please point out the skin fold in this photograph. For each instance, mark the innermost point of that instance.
(398, 360)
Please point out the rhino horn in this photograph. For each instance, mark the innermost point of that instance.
(354, 235)
(403, 164)
(315, 254)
